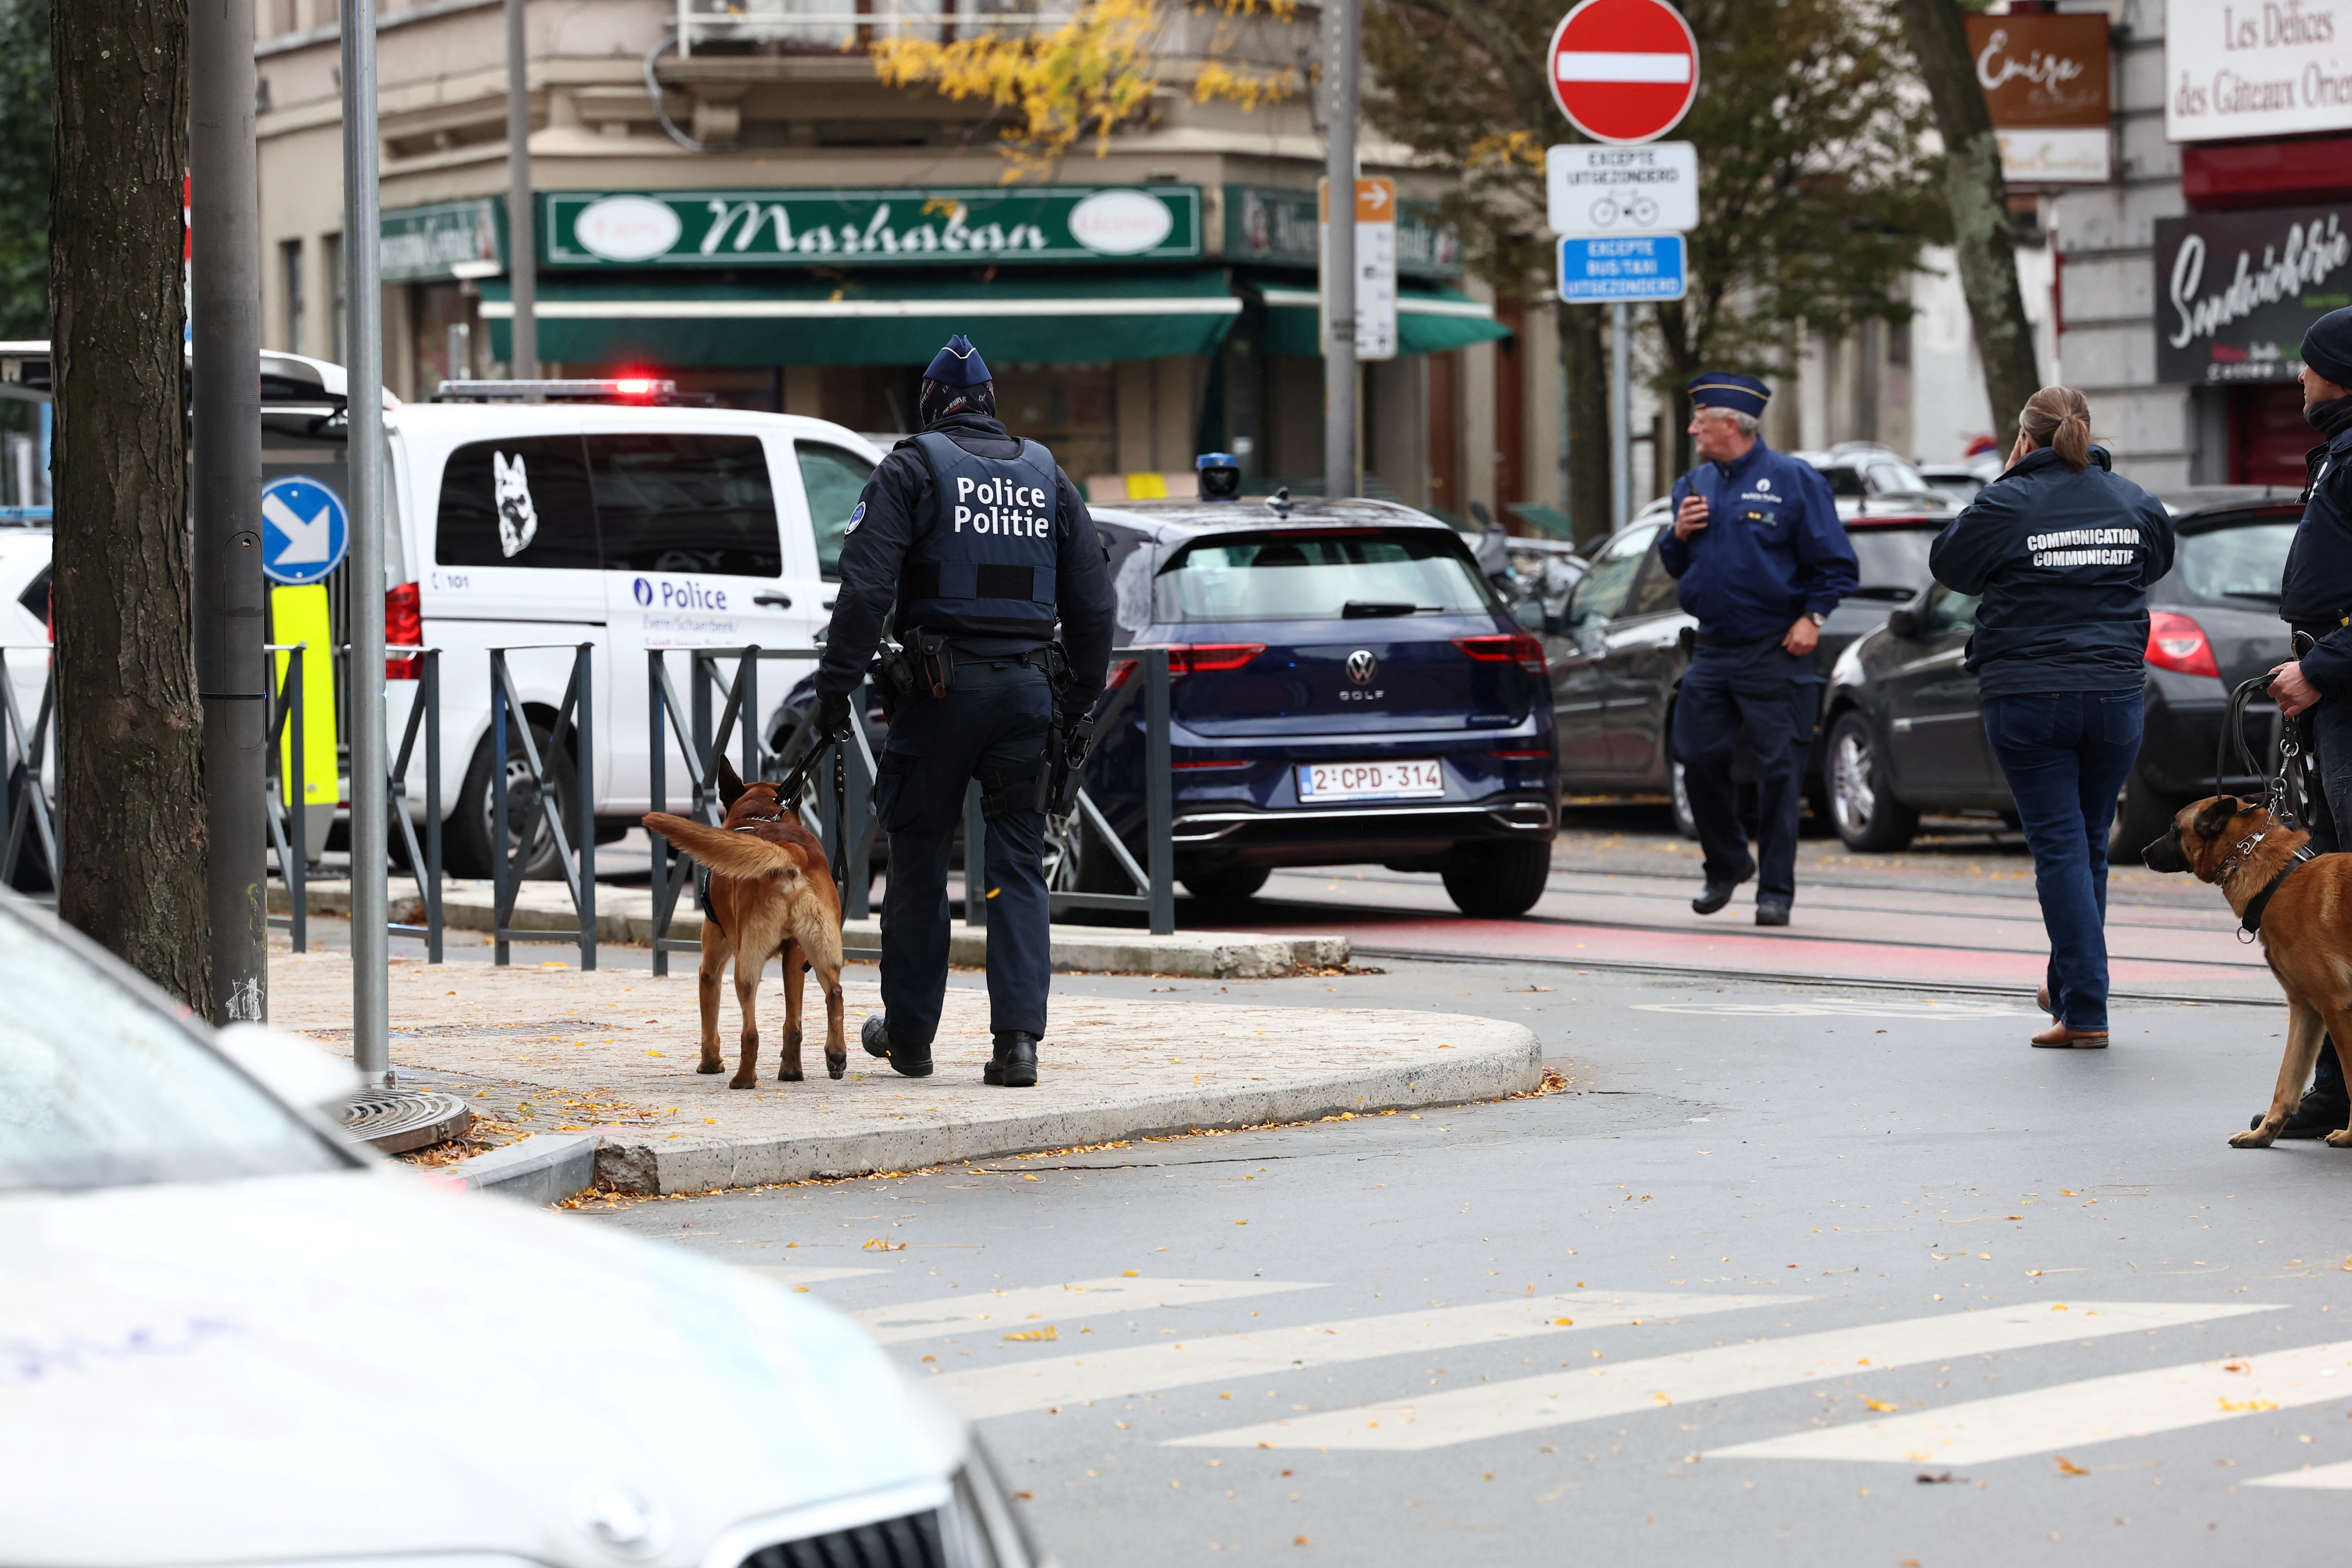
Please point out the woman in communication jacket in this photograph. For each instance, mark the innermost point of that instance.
(2063, 553)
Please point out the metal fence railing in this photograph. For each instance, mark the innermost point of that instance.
(575, 850)
(29, 766)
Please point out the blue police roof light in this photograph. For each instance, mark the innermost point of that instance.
(959, 364)
(1219, 476)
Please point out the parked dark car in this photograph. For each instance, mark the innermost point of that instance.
(1905, 722)
(1618, 652)
(1350, 688)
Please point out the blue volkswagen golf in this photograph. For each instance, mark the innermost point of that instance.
(1346, 688)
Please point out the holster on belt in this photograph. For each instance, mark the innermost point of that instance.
(934, 663)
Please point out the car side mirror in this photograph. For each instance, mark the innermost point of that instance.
(1903, 623)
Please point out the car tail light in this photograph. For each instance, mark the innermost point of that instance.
(1216, 762)
(404, 626)
(1185, 657)
(2176, 641)
(1501, 646)
(1524, 756)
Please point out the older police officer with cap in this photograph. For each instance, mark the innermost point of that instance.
(1761, 559)
(981, 543)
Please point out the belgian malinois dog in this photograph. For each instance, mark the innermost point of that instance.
(771, 892)
(2299, 906)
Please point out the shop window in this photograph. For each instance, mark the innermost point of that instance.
(523, 502)
(1071, 408)
(685, 503)
(2268, 435)
(834, 480)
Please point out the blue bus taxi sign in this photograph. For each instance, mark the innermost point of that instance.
(1617, 268)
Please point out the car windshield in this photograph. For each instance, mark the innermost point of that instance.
(99, 1088)
(1356, 574)
(1893, 561)
(2242, 563)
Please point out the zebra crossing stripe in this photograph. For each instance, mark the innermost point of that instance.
(1563, 1398)
(800, 1274)
(2328, 1478)
(2070, 1415)
(1014, 1309)
(1037, 1385)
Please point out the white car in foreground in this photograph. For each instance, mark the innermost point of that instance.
(226, 1338)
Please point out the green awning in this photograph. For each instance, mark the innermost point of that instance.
(685, 321)
(1429, 321)
(1549, 519)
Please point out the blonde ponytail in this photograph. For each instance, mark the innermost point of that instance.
(2057, 417)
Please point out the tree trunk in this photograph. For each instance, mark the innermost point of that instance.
(1588, 420)
(1982, 237)
(132, 808)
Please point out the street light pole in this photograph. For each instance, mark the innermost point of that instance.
(1341, 74)
(224, 345)
(522, 248)
(364, 383)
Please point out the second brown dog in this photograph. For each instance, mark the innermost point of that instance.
(2305, 923)
(772, 891)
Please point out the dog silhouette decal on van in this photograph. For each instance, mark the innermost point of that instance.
(518, 518)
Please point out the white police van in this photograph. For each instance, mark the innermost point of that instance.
(536, 527)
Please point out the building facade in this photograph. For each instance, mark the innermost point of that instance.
(746, 208)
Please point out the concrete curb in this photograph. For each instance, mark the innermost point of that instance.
(1510, 1062)
(625, 915)
(544, 1168)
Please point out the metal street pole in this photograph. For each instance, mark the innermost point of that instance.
(1621, 415)
(225, 344)
(1341, 73)
(522, 248)
(363, 381)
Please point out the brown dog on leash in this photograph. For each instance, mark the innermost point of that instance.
(771, 892)
(2298, 904)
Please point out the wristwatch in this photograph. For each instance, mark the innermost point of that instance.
(1818, 618)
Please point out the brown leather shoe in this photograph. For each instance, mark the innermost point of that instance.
(2058, 1036)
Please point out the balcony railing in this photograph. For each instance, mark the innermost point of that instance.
(839, 24)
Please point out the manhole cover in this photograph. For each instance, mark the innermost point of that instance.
(398, 1119)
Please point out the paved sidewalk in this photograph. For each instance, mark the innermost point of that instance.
(548, 1049)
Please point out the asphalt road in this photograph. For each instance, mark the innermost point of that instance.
(1788, 1274)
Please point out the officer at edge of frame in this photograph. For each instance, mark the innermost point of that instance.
(1760, 558)
(981, 544)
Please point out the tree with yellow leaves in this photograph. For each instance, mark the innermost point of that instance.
(1094, 72)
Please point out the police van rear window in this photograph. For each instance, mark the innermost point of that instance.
(518, 502)
(1355, 574)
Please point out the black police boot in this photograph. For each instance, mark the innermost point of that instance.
(1014, 1064)
(2316, 1117)
(1714, 895)
(907, 1061)
(1771, 911)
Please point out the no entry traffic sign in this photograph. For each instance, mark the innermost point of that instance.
(1624, 71)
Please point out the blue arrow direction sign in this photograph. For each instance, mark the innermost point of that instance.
(304, 530)
(1595, 267)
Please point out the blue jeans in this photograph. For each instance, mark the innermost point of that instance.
(2066, 755)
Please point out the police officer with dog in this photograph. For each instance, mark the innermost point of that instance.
(974, 544)
(1762, 559)
(2315, 600)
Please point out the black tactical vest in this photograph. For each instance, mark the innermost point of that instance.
(985, 563)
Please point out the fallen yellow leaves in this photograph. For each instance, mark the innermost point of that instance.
(2247, 1405)
(2067, 1467)
(1881, 1404)
(1047, 1332)
(883, 1244)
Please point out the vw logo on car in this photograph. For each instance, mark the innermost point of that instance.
(1362, 664)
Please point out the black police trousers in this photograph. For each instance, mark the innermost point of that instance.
(1777, 696)
(992, 726)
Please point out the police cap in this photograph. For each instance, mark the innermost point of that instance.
(959, 364)
(1728, 389)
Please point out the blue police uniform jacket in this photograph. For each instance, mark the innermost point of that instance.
(1773, 548)
(2064, 562)
(986, 562)
(2316, 591)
